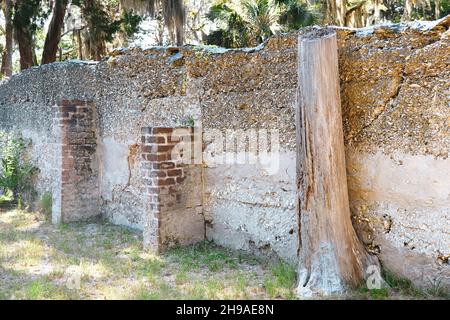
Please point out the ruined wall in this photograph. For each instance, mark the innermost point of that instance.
(395, 93)
(136, 89)
(27, 106)
(250, 206)
(173, 188)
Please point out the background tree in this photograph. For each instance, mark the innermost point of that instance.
(232, 30)
(28, 15)
(173, 13)
(46, 27)
(54, 31)
(6, 68)
(261, 17)
(251, 22)
(296, 14)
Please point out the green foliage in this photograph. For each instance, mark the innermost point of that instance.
(445, 8)
(16, 173)
(407, 288)
(281, 281)
(130, 22)
(262, 18)
(186, 122)
(102, 24)
(295, 15)
(251, 22)
(203, 253)
(30, 14)
(46, 203)
(7, 197)
(232, 30)
(402, 287)
(285, 274)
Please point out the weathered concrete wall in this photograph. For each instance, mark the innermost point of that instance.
(395, 93)
(26, 106)
(395, 90)
(250, 206)
(135, 90)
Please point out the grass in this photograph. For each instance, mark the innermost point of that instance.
(400, 288)
(46, 204)
(39, 260)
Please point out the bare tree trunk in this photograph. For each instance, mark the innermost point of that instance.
(332, 259)
(437, 9)
(6, 68)
(159, 30)
(80, 44)
(86, 43)
(54, 32)
(24, 39)
(25, 43)
(407, 10)
(377, 11)
(336, 12)
(94, 41)
(341, 12)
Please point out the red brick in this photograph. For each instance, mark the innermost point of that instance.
(155, 139)
(161, 130)
(155, 148)
(164, 182)
(180, 179)
(174, 172)
(68, 108)
(164, 165)
(156, 157)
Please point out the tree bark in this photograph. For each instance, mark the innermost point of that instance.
(332, 259)
(407, 10)
(25, 43)
(79, 44)
(336, 12)
(6, 68)
(437, 9)
(54, 32)
(24, 38)
(94, 42)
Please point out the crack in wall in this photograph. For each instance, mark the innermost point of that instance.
(389, 102)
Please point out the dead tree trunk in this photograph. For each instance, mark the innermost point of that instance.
(331, 257)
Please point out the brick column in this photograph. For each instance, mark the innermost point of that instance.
(75, 193)
(173, 195)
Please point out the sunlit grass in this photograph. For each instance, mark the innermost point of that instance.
(39, 260)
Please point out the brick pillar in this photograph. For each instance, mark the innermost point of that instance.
(75, 193)
(173, 195)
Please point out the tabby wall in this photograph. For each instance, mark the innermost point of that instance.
(395, 97)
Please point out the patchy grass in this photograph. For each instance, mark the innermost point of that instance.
(280, 283)
(39, 260)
